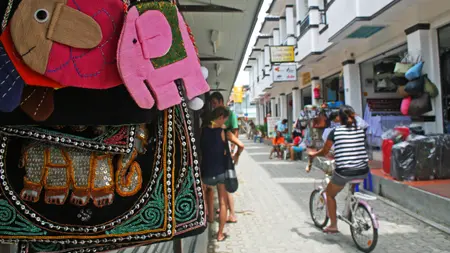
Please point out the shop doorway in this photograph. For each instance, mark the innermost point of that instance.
(334, 88)
(376, 74)
(444, 54)
(306, 94)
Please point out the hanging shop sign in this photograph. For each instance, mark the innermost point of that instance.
(238, 94)
(282, 54)
(306, 78)
(285, 73)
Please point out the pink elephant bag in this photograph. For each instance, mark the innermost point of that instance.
(154, 50)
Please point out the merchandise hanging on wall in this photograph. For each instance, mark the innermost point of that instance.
(88, 163)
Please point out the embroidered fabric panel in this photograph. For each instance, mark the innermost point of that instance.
(169, 203)
(111, 139)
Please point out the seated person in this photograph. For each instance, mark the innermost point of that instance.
(334, 122)
(298, 147)
(277, 142)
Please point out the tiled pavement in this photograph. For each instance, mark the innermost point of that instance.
(273, 213)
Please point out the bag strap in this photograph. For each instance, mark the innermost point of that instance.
(7, 13)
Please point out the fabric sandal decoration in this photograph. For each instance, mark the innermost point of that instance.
(151, 57)
(71, 42)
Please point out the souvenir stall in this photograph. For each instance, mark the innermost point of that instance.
(409, 154)
(97, 140)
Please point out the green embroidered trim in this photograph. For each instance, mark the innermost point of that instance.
(13, 224)
(45, 247)
(177, 52)
(185, 202)
(151, 216)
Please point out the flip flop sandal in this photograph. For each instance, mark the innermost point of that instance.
(225, 236)
(330, 231)
(232, 221)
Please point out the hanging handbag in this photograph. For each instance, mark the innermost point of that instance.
(399, 80)
(414, 72)
(430, 88)
(231, 181)
(420, 105)
(415, 87)
(402, 68)
(401, 91)
(404, 108)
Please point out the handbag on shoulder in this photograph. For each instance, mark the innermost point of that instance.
(231, 181)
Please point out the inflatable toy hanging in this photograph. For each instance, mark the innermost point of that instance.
(97, 149)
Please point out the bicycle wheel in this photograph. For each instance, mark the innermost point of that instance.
(368, 244)
(318, 209)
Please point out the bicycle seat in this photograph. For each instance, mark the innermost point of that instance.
(356, 181)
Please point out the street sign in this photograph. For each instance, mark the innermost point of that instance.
(285, 73)
(281, 54)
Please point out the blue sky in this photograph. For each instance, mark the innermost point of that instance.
(242, 78)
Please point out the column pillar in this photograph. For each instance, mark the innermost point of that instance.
(267, 58)
(283, 106)
(352, 86)
(261, 113)
(258, 116)
(290, 25)
(420, 43)
(282, 29)
(276, 36)
(273, 107)
(296, 103)
(315, 82)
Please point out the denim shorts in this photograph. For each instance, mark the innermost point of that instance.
(298, 149)
(213, 181)
(340, 180)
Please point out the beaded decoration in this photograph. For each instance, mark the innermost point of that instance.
(113, 139)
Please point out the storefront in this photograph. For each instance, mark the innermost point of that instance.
(444, 53)
(381, 101)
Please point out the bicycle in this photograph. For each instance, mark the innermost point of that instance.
(354, 202)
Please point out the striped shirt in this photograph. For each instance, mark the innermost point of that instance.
(349, 150)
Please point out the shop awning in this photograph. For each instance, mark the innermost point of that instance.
(222, 31)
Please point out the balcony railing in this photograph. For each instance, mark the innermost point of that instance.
(304, 25)
(323, 17)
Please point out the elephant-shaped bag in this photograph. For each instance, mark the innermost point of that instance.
(155, 49)
(71, 42)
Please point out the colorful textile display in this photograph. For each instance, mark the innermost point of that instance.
(84, 166)
(150, 192)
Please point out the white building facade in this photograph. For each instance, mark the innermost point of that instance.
(345, 48)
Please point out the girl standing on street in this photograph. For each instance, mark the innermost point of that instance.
(213, 146)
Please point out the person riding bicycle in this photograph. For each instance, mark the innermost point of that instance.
(350, 156)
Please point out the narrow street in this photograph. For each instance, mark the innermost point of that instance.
(273, 214)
